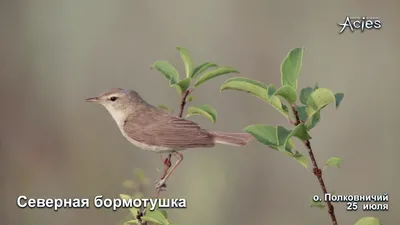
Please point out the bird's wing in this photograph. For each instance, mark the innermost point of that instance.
(158, 128)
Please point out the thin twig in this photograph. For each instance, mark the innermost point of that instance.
(316, 170)
(139, 217)
(167, 161)
(139, 212)
(183, 101)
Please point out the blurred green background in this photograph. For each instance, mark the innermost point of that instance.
(54, 54)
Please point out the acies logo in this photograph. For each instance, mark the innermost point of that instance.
(360, 23)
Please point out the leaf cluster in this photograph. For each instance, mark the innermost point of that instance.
(195, 75)
(156, 217)
(284, 100)
(305, 115)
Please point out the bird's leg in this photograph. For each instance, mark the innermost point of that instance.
(167, 165)
(167, 161)
(161, 183)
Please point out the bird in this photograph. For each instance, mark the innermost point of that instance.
(156, 130)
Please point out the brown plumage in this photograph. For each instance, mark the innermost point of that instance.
(153, 129)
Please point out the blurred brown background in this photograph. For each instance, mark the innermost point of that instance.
(54, 54)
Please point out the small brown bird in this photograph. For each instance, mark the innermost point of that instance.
(154, 129)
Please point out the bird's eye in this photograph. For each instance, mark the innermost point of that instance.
(113, 98)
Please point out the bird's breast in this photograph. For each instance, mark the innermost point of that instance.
(144, 146)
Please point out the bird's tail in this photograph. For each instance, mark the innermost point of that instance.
(234, 139)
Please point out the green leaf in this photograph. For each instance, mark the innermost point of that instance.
(271, 91)
(152, 220)
(273, 137)
(291, 66)
(275, 101)
(166, 108)
(182, 85)
(253, 87)
(300, 131)
(287, 93)
(284, 136)
(127, 197)
(257, 89)
(292, 117)
(164, 212)
(304, 94)
(368, 221)
(285, 144)
(131, 222)
(277, 104)
(212, 74)
(301, 110)
(265, 134)
(311, 123)
(167, 70)
(124, 196)
(299, 158)
(338, 98)
(190, 98)
(334, 161)
(129, 184)
(187, 60)
(289, 145)
(314, 204)
(156, 217)
(204, 110)
(201, 68)
(318, 100)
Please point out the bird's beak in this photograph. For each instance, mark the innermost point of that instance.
(94, 99)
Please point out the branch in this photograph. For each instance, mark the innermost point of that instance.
(316, 170)
(141, 213)
(167, 161)
(183, 101)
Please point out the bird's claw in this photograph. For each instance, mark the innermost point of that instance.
(160, 184)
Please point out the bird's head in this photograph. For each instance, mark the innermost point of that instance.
(119, 102)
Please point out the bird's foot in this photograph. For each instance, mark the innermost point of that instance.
(160, 184)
